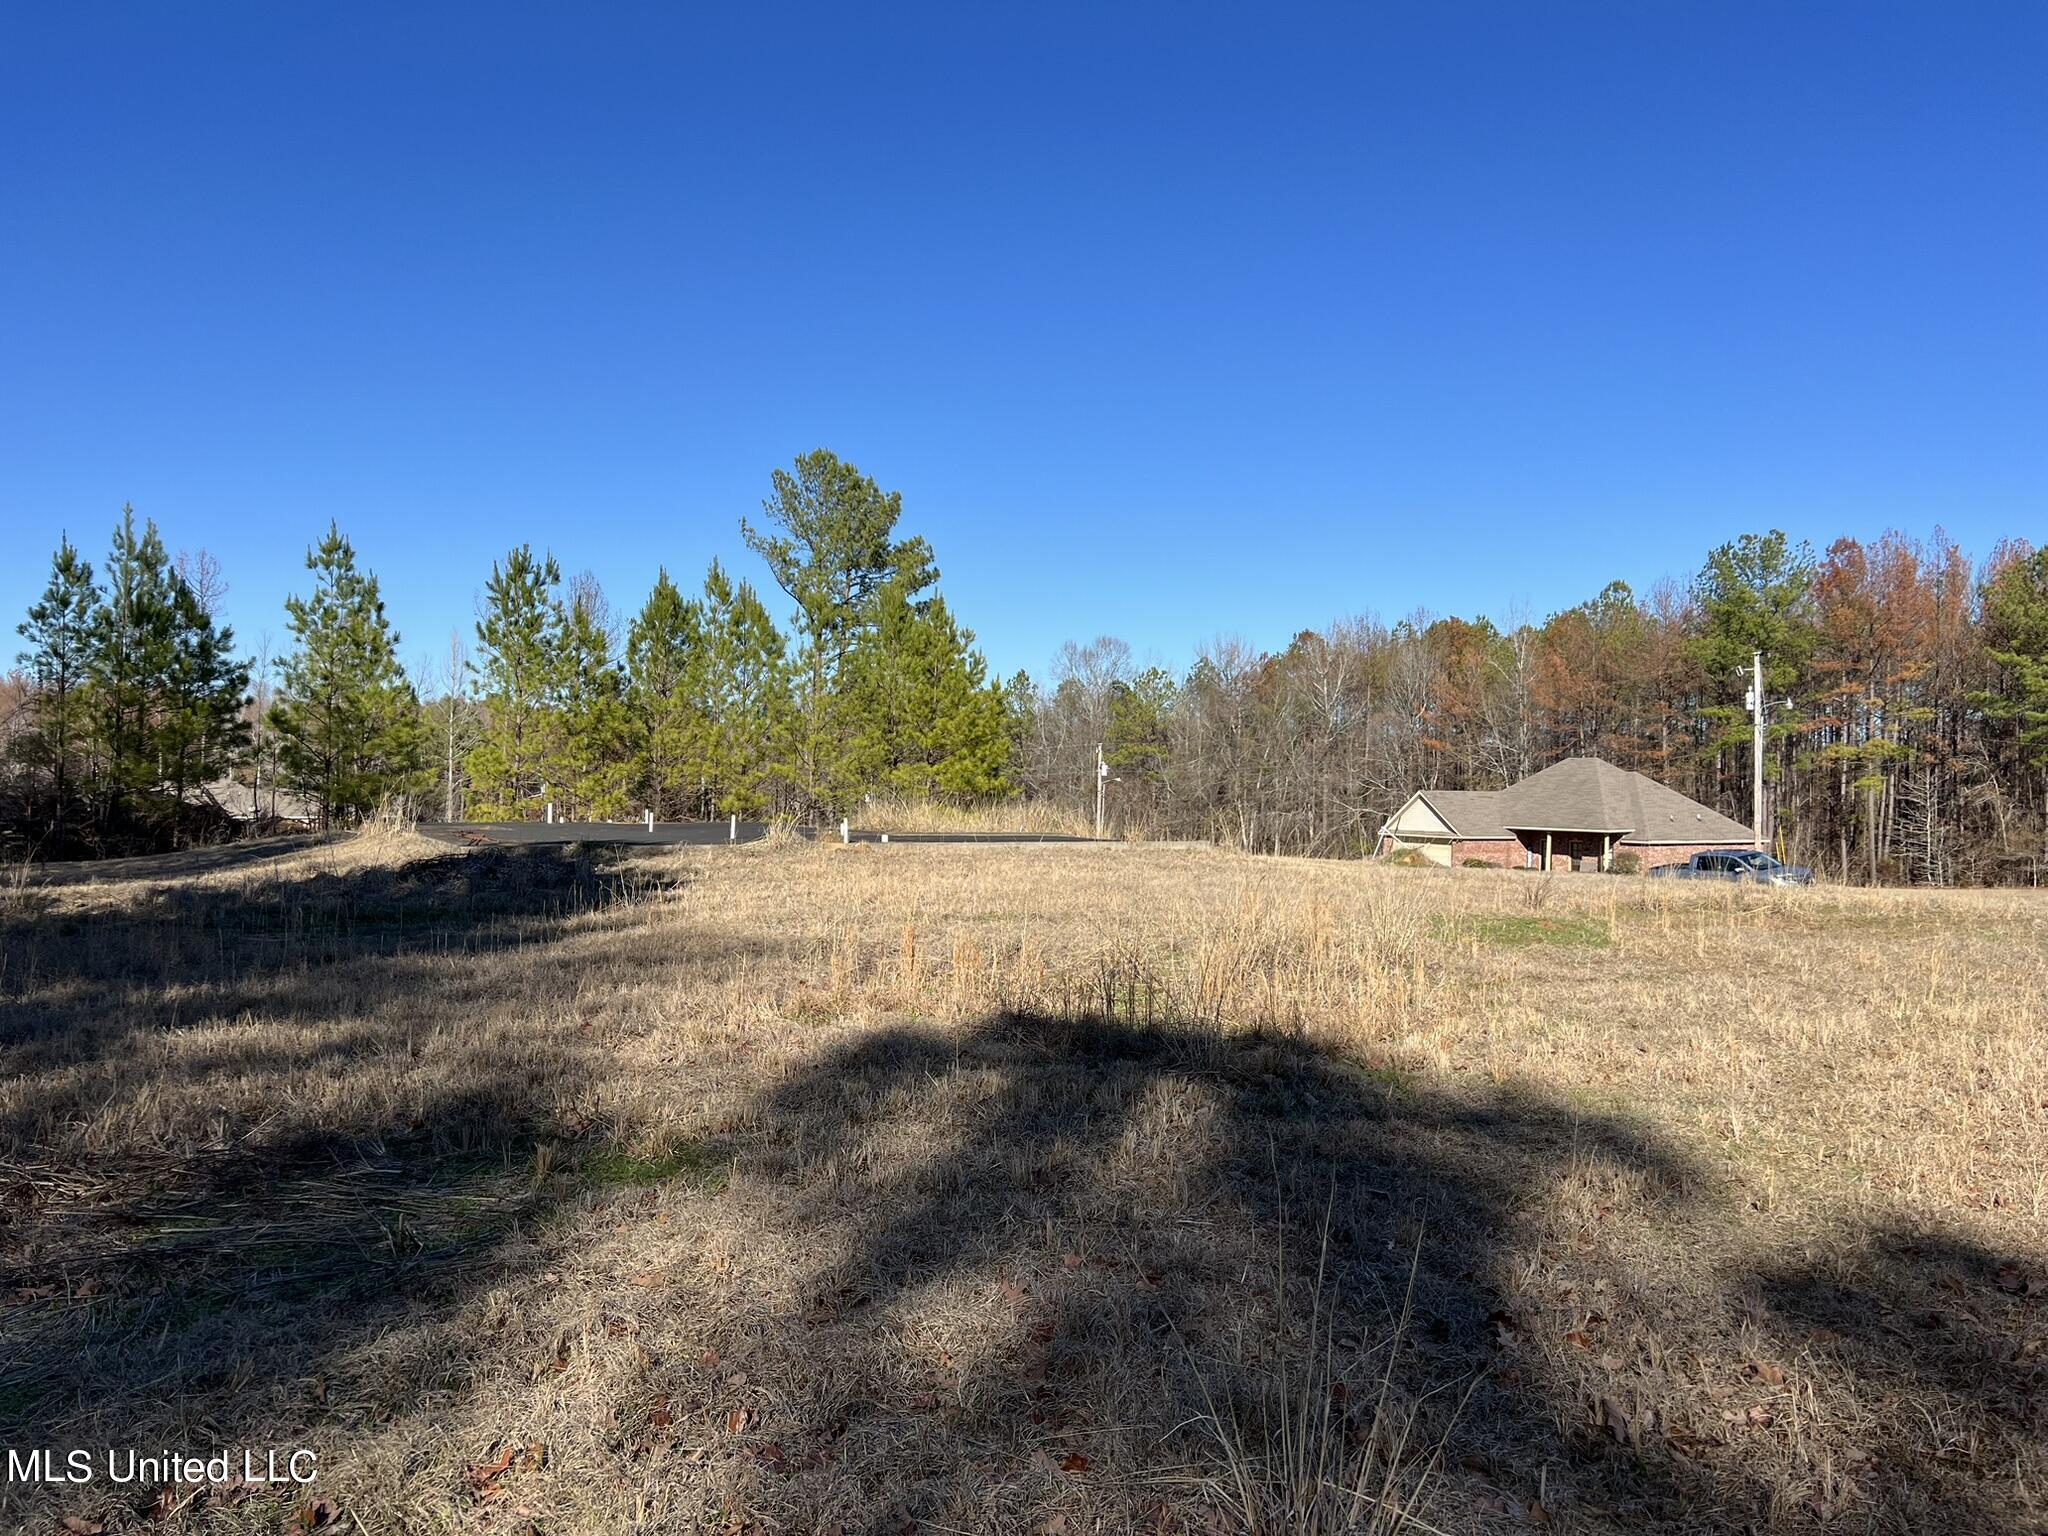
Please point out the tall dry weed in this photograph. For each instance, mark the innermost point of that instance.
(894, 813)
(1302, 1457)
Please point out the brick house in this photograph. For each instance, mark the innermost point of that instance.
(1576, 814)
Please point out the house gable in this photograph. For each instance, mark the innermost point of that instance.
(1418, 819)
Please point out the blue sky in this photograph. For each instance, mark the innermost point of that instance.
(1168, 322)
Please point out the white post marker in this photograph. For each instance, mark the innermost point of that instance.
(1101, 779)
(845, 833)
(733, 836)
(551, 813)
(650, 821)
(885, 837)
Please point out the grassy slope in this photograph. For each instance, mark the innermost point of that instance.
(981, 1188)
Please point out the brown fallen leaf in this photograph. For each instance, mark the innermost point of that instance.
(482, 1475)
(1764, 1371)
(1616, 1422)
(1578, 1338)
(737, 1421)
(319, 1515)
(483, 1478)
(1074, 1461)
(78, 1525)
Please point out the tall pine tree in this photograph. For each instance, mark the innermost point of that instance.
(59, 633)
(751, 719)
(520, 635)
(201, 730)
(829, 540)
(130, 659)
(2016, 640)
(931, 725)
(349, 724)
(666, 660)
(592, 751)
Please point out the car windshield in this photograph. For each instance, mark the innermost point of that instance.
(1757, 860)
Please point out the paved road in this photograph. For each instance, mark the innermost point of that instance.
(672, 833)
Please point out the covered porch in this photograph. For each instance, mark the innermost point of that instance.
(1567, 849)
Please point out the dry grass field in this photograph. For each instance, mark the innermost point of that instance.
(1050, 1189)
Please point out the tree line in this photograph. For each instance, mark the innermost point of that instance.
(1907, 740)
(697, 705)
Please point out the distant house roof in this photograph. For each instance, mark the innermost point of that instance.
(1584, 794)
(1468, 812)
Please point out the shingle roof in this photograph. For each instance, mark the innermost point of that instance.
(1469, 812)
(1585, 794)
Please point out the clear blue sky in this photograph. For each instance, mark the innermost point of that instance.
(1167, 322)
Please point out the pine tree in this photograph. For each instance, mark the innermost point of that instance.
(1754, 595)
(830, 543)
(521, 639)
(751, 716)
(201, 730)
(592, 759)
(130, 659)
(2016, 639)
(349, 722)
(666, 660)
(59, 632)
(931, 725)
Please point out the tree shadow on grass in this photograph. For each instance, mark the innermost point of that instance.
(1947, 1345)
(1101, 1212)
(216, 858)
(175, 1273)
(1040, 1259)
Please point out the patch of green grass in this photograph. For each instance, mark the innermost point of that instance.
(613, 1167)
(1393, 1081)
(1520, 930)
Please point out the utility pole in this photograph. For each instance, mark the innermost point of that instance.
(1757, 708)
(1101, 778)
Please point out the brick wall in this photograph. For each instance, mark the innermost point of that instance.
(1500, 852)
(1655, 854)
(1508, 853)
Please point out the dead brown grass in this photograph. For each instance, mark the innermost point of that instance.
(945, 1188)
(894, 813)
